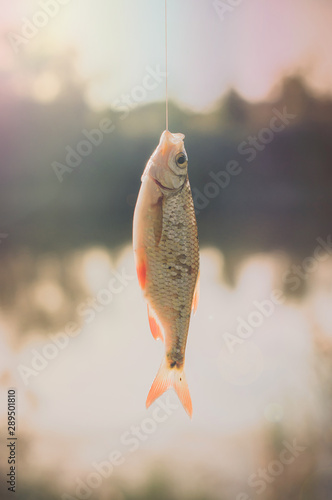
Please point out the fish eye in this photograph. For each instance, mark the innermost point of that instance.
(181, 160)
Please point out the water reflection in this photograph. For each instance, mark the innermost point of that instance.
(82, 358)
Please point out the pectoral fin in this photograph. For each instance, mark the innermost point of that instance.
(141, 271)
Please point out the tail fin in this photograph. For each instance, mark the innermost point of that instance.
(171, 377)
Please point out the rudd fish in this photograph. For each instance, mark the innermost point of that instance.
(167, 259)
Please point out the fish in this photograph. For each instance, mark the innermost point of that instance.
(166, 251)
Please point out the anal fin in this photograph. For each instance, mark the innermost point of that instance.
(155, 325)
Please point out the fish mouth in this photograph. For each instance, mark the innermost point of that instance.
(167, 140)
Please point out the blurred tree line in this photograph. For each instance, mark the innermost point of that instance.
(280, 199)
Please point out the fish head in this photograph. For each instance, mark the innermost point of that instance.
(168, 165)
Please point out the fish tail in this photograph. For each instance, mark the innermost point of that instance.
(171, 377)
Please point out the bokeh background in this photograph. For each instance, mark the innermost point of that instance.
(74, 335)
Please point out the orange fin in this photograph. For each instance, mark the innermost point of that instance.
(141, 273)
(171, 377)
(196, 294)
(155, 325)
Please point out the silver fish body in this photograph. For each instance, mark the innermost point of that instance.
(167, 258)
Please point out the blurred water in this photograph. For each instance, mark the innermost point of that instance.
(82, 359)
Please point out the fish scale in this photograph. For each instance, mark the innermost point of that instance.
(167, 258)
(172, 291)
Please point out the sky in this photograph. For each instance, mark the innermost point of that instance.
(248, 47)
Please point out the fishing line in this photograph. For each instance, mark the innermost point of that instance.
(166, 55)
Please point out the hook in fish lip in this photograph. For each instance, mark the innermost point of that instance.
(168, 138)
